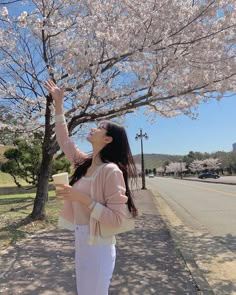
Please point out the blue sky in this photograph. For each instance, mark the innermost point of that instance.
(214, 130)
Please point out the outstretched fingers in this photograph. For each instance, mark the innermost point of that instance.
(49, 85)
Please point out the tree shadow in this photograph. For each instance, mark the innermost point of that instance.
(18, 204)
(8, 201)
(45, 265)
(229, 241)
(149, 263)
(13, 231)
(19, 223)
(18, 209)
(215, 258)
(146, 263)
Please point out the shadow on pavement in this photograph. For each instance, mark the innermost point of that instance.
(147, 262)
(43, 265)
(215, 260)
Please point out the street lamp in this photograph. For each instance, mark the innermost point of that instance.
(141, 136)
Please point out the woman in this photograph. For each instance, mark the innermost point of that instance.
(97, 196)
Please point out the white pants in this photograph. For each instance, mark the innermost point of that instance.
(94, 264)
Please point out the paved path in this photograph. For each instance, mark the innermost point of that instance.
(147, 262)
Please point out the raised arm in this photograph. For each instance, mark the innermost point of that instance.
(66, 144)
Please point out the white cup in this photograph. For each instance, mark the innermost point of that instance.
(61, 178)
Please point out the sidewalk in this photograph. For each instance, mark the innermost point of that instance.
(147, 261)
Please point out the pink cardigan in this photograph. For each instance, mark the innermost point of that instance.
(108, 190)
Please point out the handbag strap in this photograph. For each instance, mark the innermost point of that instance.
(94, 177)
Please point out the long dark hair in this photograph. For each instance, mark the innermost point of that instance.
(118, 152)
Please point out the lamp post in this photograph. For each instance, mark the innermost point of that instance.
(141, 136)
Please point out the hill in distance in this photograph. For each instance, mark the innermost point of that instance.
(156, 160)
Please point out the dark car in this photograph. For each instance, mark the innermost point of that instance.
(208, 175)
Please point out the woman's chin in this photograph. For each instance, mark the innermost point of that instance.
(89, 138)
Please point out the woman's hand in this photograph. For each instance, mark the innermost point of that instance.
(56, 92)
(66, 192)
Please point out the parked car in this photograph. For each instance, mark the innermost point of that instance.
(208, 175)
(151, 175)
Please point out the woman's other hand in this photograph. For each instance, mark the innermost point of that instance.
(65, 192)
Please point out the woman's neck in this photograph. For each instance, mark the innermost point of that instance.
(96, 161)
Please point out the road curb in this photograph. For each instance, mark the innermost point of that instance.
(207, 181)
(202, 284)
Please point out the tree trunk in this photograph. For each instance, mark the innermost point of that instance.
(41, 198)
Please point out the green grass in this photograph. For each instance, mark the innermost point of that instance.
(6, 180)
(14, 208)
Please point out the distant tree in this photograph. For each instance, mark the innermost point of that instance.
(196, 166)
(212, 164)
(229, 163)
(166, 163)
(188, 159)
(176, 168)
(9, 127)
(161, 170)
(209, 164)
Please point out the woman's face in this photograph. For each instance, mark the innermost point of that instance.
(98, 135)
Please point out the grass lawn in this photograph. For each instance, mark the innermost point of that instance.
(7, 180)
(14, 208)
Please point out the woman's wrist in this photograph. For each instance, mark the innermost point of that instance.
(59, 110)
(60, 118)
(92, 205)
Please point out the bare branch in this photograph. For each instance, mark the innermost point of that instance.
(9, 2)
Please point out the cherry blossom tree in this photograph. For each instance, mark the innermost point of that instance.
(176, 168)
(212, 164)
(209, 164)
(196, 165)
(115, 57)
(161, 170)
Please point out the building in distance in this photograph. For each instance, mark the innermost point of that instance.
(234, 147)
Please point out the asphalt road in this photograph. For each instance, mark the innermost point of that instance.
(210, 206)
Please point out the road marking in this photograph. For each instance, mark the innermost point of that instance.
(213, 190)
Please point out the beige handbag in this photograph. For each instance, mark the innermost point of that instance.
(128, 222)
(127, 225)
